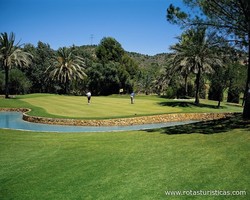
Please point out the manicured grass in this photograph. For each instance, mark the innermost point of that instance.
(123, 165)
(136, 165)
(109, 107)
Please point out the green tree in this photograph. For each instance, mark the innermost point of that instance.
(117, 71)
(1, 81)
(147, 80)
(42, 59)
(109, 50)
(195, 52)
(145, 83)
(219, 82)
(130, 65)
(229, 17)
(236, 77)
(11, 55)
(104, 80)
(66, 67)
(19, 83)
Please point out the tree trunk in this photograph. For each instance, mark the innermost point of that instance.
(6, 82)
(197, 81)
(220, 97)
(246, 110)
(186, 84)
(218, 105)
(66, 86)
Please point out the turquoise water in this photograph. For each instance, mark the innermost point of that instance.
(13, 120)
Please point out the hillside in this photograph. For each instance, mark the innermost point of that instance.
(146, 60)
(142, 60)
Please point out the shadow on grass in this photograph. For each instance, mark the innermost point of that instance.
(188, 104)
(208, 127)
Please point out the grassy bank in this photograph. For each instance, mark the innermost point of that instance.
(109, 107)
(126, 165)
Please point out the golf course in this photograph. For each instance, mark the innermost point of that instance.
(125, 100)
(211, 156)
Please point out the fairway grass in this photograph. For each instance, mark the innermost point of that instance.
(135, 165)
(118, 106)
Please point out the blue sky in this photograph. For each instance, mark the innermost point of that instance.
(139, 25)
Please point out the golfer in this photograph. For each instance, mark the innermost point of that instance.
(88, 96)
(132, 96)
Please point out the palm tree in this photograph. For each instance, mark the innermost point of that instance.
(11, 55)
(196, 52)
(66, 67)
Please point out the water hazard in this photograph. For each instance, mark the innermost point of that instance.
(13, 120)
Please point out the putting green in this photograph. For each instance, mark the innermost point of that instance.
(100, 107)
(108, 107)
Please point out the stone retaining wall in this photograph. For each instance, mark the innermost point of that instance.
(23, 110)
(173, 117)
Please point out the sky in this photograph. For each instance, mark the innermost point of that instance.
(138, 25)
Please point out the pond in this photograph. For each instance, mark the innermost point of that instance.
(14, 121)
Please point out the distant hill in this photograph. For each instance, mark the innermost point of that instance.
(145, 61)
(142, 60)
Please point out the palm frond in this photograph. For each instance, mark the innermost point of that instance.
(69, 66)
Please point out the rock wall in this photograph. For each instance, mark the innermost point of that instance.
(122, 121)
(23, 110)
